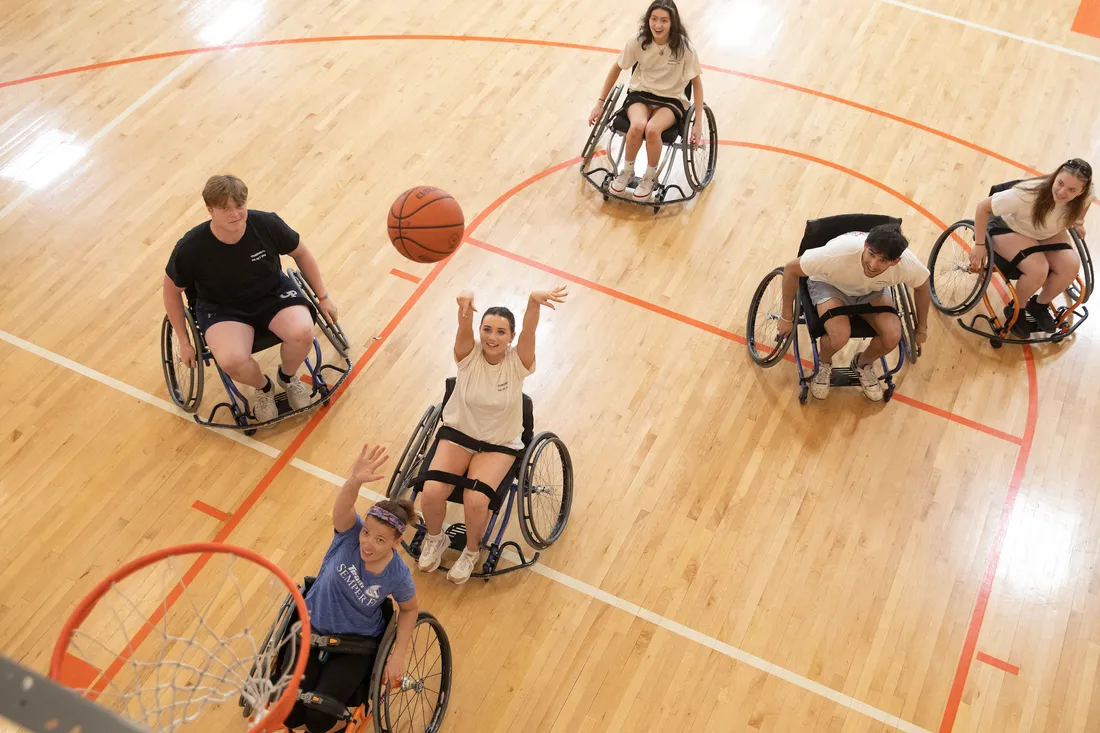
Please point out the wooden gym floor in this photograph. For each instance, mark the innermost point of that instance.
(735, 561)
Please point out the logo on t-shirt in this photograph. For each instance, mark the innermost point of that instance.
(369, 596)
(257, 256)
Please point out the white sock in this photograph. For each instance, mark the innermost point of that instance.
(651, 169)
(629, 165)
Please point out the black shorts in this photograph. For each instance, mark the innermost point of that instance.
(997, 226)
(653, 100)
(284, 295)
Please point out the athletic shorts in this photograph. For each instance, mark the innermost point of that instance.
(284, 295)
(821, 291)
(672, 104)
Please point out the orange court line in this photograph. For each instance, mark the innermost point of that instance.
(998, 663)
(516, 41)
(205, 508)
(1087, 21)
(77, 673)
(405, 275)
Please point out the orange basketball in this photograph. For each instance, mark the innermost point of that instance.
(425, 224)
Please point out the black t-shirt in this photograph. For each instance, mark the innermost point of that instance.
(233, 275)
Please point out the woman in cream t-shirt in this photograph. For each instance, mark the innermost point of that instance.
(666, 63)
(482, 422)
(1033, 212)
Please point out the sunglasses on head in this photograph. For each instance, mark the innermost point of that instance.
(1080, 167)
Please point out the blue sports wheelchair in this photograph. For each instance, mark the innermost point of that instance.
(185, 384)
(540, 484)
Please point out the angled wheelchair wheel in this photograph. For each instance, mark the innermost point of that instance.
(955, 289)
(765, 344)
(413, 455)
(332, 331)
(276, 648)
(598, 129)
(1087, 273)
(907, 312)
(184, 383)
(419, 704)
(545, 490)
(700, 162)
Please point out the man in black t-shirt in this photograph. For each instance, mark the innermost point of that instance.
(230, 266)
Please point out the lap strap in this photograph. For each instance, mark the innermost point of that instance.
(345, 643)
(1026, 252)
(856, 310)
(477, 446)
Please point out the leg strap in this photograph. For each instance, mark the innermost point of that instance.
(1026, 252)
(855, 310)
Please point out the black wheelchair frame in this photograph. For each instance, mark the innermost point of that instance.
(767, 348)
(675, 139)
(371, 701)
(185, 385)
(951, 253)
(523, 487)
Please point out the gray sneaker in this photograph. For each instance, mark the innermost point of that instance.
(621, 181)
(464, 567)
(819, 385)
(297, 394)
(263, 405)
(872, 387)
(644, 189)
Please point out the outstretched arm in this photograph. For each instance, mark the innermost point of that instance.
(364, 470)
(526, 346)
(464, 339)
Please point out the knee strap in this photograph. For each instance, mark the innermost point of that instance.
(1026, 252)
(461, 482)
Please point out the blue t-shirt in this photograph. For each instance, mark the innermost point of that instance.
(346, 598)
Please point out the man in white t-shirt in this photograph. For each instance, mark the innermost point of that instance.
(854, 269)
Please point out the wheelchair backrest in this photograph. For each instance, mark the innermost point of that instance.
(687, 89)
(528, 411)
(820, 232)
(1002, 187)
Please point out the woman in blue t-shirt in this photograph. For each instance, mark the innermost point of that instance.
(360, 569)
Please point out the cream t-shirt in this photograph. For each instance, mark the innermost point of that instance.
(658, 73)
(487, 402)
(839, 263)
(1014, 206)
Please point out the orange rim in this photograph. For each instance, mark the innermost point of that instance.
(276, 713)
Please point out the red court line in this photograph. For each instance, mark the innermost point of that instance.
(1087, 20)
(998, 663)
(517, 41)
(981, 427)
(77, 673)
(205, 508)
(954, 698)
(405, 275)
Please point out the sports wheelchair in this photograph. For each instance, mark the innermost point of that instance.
(698, 165)
(768, 348)
(956, 290)
(540, 484)
(416, 706)
(185, 384)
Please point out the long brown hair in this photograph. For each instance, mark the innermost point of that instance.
(677, 36)
(1043, 187)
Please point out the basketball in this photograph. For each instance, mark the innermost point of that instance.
(425, 224)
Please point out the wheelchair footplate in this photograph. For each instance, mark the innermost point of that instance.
(456, 535)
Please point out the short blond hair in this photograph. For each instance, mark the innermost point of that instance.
(219, 189)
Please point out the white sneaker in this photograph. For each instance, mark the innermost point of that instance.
(867, 379)
(431, 551)
(644, 189)
(263, 405)
(819, 385)
(621, 181)
(297, 394)
(463, 567)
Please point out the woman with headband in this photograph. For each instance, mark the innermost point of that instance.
(360, 569)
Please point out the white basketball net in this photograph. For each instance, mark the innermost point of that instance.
(201, 644)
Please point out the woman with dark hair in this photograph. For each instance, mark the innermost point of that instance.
(482, 422)
(655, 100)
(1037, 211)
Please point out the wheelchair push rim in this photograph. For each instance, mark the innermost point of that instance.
(954, 288)
(413, 455)
(766, 346)
(598, 129)
(332, 331)
(419, 703)
(907, 313)
(706, 152)
(185, 391)
(546, 490)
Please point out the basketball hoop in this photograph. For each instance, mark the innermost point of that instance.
(167, 637)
